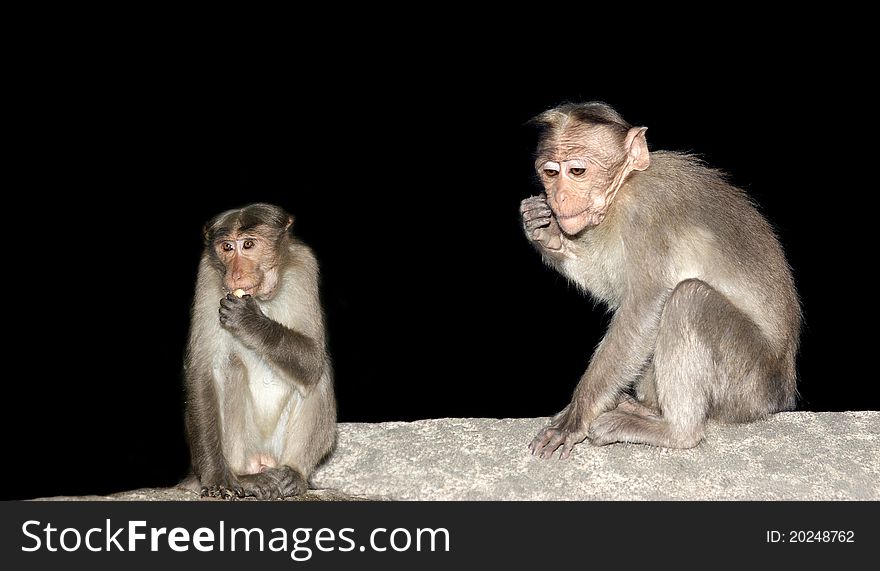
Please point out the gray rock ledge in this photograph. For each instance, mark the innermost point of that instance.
(791, 456)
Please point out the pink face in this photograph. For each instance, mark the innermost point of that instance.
(249, 260)
(579, 192)
(583, 169)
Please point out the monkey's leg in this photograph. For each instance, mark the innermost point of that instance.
(630, 405)
(710, 360)
(274, 483)
(646, 388)
(629, 411)
(203, 424)
(618, 360)
(309, 434)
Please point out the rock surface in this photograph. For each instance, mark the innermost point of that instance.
(181, 495)
(791, 456)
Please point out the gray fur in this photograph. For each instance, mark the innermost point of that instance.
(706, 318)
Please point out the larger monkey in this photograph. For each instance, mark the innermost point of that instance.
(260, 411)
(706, 317)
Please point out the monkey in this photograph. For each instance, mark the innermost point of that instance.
(705, 318)
(260, 410)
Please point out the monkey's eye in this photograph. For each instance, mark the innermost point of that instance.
(227, 247)
(248, 244)
(550, 169)
(577, 171)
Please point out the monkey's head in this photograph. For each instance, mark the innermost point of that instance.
(585, 152)
(245, 246)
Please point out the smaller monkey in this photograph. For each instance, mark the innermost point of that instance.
(260, 409)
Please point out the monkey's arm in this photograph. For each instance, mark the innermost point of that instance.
(298, 355)
(203, 430)
(624, 350)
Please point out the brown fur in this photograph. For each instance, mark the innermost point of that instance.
(260, 411)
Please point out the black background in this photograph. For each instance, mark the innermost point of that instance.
(405, 175)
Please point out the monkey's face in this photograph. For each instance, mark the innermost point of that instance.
(249, 263)
(579, 191)
(583, 167)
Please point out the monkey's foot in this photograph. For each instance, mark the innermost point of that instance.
(552, 438)
(274, 483)
(222, 492)
(632, 406)
(618, 426)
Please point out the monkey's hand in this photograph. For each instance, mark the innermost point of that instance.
(540, 225)
(566, 430)
(241, 316)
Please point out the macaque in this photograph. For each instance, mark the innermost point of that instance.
(260, 410)
(706, 319)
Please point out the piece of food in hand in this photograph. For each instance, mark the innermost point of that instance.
(238, 293)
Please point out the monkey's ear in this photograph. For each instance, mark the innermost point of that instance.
(636, 147)
(290, 220)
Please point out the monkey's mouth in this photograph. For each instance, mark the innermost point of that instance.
(574, 223)
(247, 290)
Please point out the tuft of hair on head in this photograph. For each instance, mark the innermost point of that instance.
(556, 121)
(595, 112)
(265, 214)
(247, 217)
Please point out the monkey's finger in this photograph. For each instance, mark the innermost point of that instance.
(532, 209)
(537, 223)
(532, 202)
(284, 480)
(566, 448)
(541, 210)
(214, 491)
(562, 440)
(232, 306)
(555, 441)
(541, 219)
(540, 439)
(546, 442)
(537, 213)
(534, 445)
(230, 303)
(526, 204)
